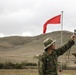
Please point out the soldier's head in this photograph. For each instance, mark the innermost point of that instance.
(49, 43)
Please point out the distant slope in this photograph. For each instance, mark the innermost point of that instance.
(17, 48)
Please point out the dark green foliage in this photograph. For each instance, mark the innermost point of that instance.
(10, 65)
(31, 64)
(1, 65)
(18, 66)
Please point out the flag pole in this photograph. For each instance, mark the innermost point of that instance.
(61, 35)
(61, 28)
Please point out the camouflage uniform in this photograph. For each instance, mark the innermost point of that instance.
(48, 62)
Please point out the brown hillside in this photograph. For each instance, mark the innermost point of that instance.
(17, 48)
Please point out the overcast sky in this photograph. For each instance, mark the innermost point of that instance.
(26, 17)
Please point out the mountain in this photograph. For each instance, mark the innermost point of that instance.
(18, 48)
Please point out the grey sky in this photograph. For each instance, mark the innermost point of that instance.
(26, 17)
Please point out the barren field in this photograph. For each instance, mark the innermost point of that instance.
(32, 72)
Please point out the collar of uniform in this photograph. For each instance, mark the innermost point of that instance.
(47, 54)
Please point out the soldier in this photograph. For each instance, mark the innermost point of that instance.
(47, 63)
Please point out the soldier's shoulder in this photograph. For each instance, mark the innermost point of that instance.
(42, 56)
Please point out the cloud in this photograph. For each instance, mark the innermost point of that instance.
(25, 16)
(23, 34)
(1, 35)
(27, 34)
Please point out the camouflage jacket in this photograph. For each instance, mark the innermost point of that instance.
(47, 63)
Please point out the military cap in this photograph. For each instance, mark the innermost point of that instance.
(48, 42)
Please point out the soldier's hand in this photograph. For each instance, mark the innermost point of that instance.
(73, 37)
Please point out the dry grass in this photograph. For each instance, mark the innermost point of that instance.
(18, 72)
(32, 72)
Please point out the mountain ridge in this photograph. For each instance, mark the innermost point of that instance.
(18, 48)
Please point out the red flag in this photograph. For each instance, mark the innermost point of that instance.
(54, 20)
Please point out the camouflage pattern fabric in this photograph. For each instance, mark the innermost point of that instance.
(47, 63)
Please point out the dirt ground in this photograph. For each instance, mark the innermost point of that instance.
(31, 72)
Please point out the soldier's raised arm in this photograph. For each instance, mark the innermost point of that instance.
(66, 46)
